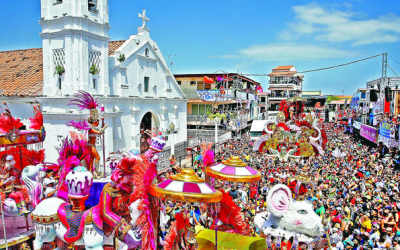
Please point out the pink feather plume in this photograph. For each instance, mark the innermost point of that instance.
(81, 125)
(84, 100)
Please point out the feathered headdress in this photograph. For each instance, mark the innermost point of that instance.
(157, 140)
(29, 157)
(7, 122)
(37, 120)
(154, 132)
(71, 154)
(70, 148)
(84, 100)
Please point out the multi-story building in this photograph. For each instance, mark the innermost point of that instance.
(229, 93)
(284, 83)
(262, 104)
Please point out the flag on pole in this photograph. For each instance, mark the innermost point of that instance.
(208, 79)
(259, 88)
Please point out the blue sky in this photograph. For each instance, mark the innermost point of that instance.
(249, 36)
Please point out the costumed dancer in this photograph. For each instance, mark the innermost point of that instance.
(145, 173)
(84, 100)
(112, 211)
(10, 182)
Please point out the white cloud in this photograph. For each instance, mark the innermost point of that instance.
(289, 52)
(334, 25)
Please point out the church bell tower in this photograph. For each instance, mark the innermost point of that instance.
(75, 46)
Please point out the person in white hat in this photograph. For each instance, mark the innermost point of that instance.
(12, 183)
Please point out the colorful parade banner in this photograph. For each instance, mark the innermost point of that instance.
(368, 133)
(214, 95)
(384, 129)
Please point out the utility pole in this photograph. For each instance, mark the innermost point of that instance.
(383, 81)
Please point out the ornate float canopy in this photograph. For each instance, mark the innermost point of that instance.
(187, 187)
(233, 169)
(12, 132)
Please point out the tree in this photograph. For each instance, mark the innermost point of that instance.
(331, 98)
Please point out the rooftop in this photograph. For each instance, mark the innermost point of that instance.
(288, 70)
(21, 71)
(288, 67)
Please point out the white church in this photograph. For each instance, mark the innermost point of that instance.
(130, 78)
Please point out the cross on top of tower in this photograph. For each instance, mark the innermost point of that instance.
(144, 18)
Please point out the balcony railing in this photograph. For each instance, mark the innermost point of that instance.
(280, 96)
(216, 95)
(284, 82)
(195, 118)
(206, 137)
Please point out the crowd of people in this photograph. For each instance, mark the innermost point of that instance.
(357, 192)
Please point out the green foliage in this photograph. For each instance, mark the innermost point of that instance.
(121, 58)
(93, 70)
(331, 98)
(60, 69)
(216, 115)
(233, 115)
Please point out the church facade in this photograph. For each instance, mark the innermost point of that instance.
(130, 78)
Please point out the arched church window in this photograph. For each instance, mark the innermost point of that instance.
(146, 52)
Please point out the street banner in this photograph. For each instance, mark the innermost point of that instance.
(384, 129)
(368, 132)
(214, 95)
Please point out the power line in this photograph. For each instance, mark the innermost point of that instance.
(394, 59)
(340, 65)
(313, 70)
(392, 70)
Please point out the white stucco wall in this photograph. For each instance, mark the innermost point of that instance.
(128, 103)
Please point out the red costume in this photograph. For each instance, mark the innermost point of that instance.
(112, 211)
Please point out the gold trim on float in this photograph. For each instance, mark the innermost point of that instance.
(187, 175)
(184, 196)
(229, 177)
(234, 161)
(45, 220)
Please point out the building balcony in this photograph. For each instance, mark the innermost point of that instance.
(216, 95)
(284, 82)
(196, 118)
(280, 97)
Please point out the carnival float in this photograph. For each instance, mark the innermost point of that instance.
(72, 207)
(294, 135)
(21, 160)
